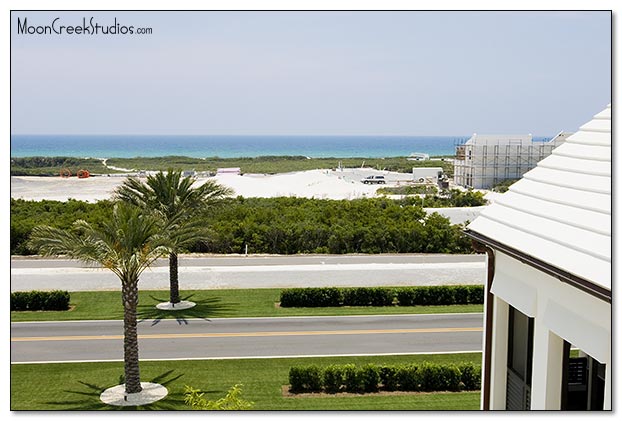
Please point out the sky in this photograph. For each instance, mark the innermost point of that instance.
(312, 73)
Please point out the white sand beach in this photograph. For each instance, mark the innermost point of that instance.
(320, 184)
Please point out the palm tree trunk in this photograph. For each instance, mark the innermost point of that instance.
(174, 277)
(130, 339)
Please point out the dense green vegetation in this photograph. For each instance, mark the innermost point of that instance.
(40, 300)
(274, 164)
(258, 165)
(372, 378)
(408, 189)
(25, 215)
(51, 166)
(221, 303)
(77, 386)
(285, 225)
(446, 198)
(383, 296)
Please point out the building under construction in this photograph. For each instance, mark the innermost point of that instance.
(486, 160)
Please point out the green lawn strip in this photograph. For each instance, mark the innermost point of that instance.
(77, 386)
(106, 305)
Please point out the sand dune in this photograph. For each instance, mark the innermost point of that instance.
(321, 184)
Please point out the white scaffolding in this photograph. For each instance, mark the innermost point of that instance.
(485, 160)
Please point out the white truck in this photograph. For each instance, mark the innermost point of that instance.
(425, 174)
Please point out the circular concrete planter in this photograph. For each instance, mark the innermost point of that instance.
(182, 305)
(152, 392)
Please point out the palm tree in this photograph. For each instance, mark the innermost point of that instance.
(126, 244)
(178, 203)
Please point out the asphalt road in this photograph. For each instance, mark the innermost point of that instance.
(248, 337)
(217, 272)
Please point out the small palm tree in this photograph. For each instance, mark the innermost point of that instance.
(178, 203)
(126, 244)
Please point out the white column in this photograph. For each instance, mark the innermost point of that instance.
(499, 362)
(547, 368)
(607, 403)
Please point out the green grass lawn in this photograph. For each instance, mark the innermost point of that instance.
(77, 386)
(106, 305)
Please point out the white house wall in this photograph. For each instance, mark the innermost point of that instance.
(561, 312)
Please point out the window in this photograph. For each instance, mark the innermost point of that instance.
(583, 381)
(520, 359)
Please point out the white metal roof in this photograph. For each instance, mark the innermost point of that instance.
(560, 212)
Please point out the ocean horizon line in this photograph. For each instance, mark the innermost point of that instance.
(240, 135)
(232, 146)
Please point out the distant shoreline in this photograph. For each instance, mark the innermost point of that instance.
(51, 166)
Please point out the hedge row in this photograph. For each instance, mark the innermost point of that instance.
(370, 378)
(383, 296)
(40, 300)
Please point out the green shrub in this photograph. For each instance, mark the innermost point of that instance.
(428, 377)
(314, 379)
(370, 378)
(388, 377)
(40, 300)
(431, 379)
(36, 300)
(311, 297)
(405, 297)
(305, 379)
(297, 380)
(355, 297)
(476, 294)
(382, 297)
(408, 378)
(333, 378)
(19, 301)
(232, 401)
(451, 377)
(57, 301)
(378, 297)
(444, 295)
(440, 295)
(461, 294)
(422, 296)
(470, 376)
(352, 379)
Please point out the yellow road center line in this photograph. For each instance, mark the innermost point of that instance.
(248, 334)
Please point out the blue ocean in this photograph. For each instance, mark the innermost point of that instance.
(126, 146)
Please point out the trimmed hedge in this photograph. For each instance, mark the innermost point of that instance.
(377, 297)
(40, 300)
(305, 379)
(440, 295)
(370, 378)
(311, 297)
(383, 296)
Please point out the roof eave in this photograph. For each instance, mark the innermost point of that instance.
(564, 276)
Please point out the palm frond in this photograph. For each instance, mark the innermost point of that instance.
(126, 244)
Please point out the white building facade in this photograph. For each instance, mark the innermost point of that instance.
(485, 160)
(547, 342)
